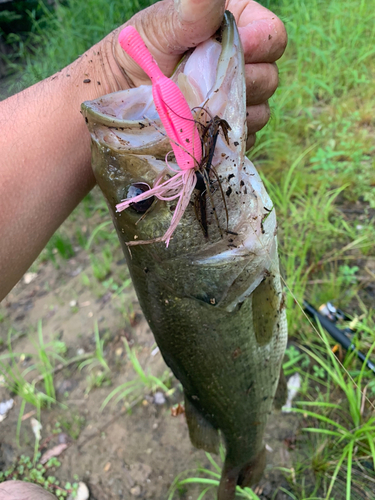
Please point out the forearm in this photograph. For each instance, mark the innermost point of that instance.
(45, 157)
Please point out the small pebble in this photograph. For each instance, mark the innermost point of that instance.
(135, 491)
(29, 277)
(159, 398)
(82, 492)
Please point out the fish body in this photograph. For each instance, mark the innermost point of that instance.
(213, 301)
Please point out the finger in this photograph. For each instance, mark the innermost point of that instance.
(257, 116)
(250, 141)
(261, 82)
(262, 33)
(203, 17)
(170, 28)
(263, 41)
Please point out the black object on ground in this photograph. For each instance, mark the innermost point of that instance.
(337, 334)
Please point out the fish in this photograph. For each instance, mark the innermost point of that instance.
(213, 298)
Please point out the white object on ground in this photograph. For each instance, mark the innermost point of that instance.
(82, 492)
(36, 427)
(29, 277)
(294, 385)
(159, 398)
(5, 406)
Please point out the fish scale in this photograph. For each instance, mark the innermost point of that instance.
(214, 304)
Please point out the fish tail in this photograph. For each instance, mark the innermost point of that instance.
(241, 475)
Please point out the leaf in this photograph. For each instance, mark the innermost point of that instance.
(53, 452)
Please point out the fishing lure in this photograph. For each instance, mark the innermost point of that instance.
(179, 124)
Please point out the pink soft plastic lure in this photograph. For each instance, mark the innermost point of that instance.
(179, 124)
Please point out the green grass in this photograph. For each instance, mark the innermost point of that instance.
(59, 37)
(317, 158)
(207, 479)
(23, 382)
(96, 365)
(344, 420)
(317, 153)
(35, 383)
(142, 383)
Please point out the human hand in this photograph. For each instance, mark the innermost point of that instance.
(264, 39)
(169, 28)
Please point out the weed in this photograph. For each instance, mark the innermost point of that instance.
(347, 426)
(101, 264)
(16, 380)
(25, 469)
(58, 245)
(72, 423)
(99, 372)
(142, 383)
(102, 231)
(208, 480)
(85, 279)
(347, 274)
(111, 285)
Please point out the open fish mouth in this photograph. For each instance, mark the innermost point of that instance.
(205, 76)
(129, 147)
(213, 298)
(211, 78)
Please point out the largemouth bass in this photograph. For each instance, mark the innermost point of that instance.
(213, 298)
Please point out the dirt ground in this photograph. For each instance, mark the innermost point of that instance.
(118, 454)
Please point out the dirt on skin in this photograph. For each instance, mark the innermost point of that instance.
(118, 454)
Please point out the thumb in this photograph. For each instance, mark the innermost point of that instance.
(169, 28)
(197, 20)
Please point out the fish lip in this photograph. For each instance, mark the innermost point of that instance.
(91, 111)
(228, 31)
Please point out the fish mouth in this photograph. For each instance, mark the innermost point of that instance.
(130, 144)
(127, 120)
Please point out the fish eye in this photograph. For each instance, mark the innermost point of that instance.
(136, 189)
